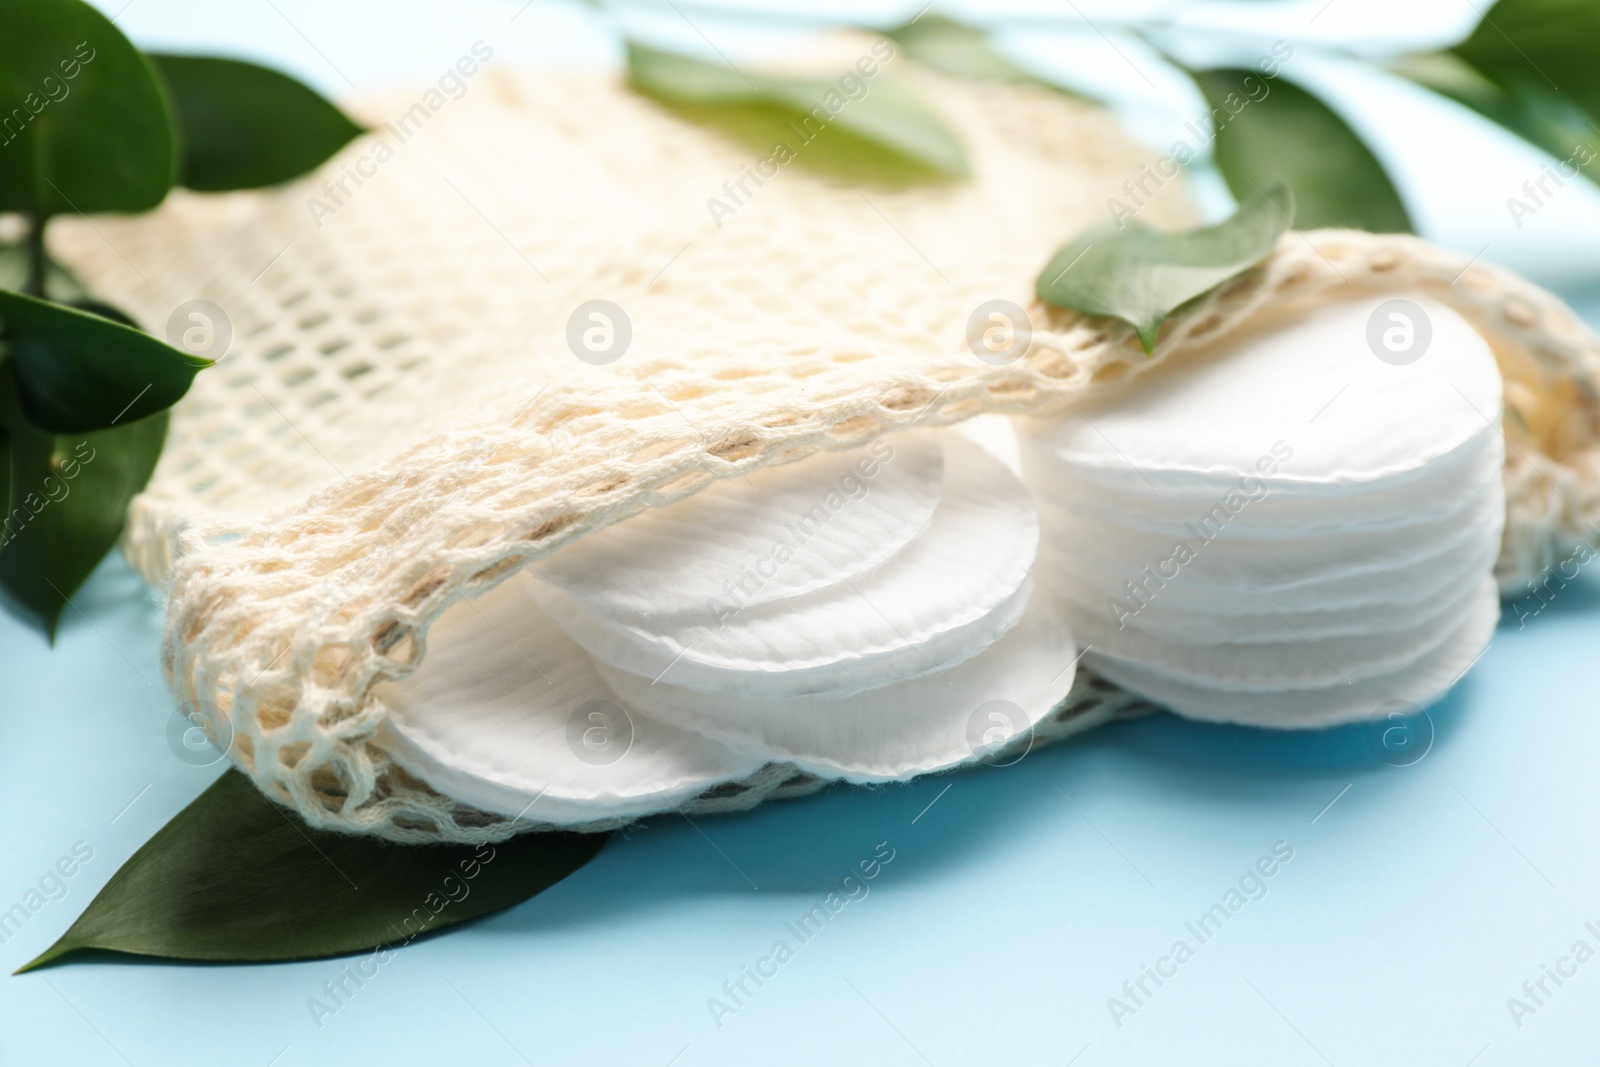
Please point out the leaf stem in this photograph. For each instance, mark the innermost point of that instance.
(37, 261)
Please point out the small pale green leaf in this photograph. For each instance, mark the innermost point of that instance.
(876, 109)
(961, 51)
(69, 502)
(1277, 130)
(78, 371)
(86, 125)
(234, 878)
(1141, 276)
(242, 126)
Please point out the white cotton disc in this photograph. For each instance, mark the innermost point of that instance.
(1421, 682)
(1428, 571)
(1312, 385)
(774, 533)
(506, 714)
(946, 596)
(1226, 556)
(1261, 510)
(894, 732)
(1296, 662)
(997, 436)
(1378, 613)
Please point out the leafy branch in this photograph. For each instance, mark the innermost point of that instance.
(90, 124)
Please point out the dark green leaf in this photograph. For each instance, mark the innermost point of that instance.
(1269, 129)
(104, 310)
(86, 126)
(961, 51)
(77, 371)
(234, 877)
(242, 126)
(1541, 47)
(873, 109)
(69, 502)
(1140, 275)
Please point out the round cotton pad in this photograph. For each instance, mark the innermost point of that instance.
(947, 595)
(1223, 555)
(1261, 510)
(1421, 682)
(780, 532)
(508, 715)
(894, 732)
(1381, 612)
(1256, 666)
(1423, 571)
(1312, 385)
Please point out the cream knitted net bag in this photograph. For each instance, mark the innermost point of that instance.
(400, 424)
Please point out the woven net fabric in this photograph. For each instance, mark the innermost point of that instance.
(400, 422)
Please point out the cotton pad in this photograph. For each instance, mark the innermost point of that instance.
(1294, 513)
(948, 594)
(508, 715)
(1297, 661)
(1380, 612)
(779, 532)
(1275, 528)
(1421, 574)
(1229, 556)
(1421, 682)
(1311, 386)
(894, 732)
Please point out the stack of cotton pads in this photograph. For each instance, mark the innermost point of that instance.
(865, 615)
(1291, 528)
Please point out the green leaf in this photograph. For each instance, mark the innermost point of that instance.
(69, 502)
(86, 125)
(1545, 120)
(1141, 276)
(242, 126)
(962, 51)
(1286, 133)
(872, 109)
(1528, 66)
(1541, 47)
(104, 310)
(234, 878)
(77, 371)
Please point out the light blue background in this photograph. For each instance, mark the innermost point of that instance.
(1022, 898)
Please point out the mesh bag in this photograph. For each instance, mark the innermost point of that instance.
(400, 422)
